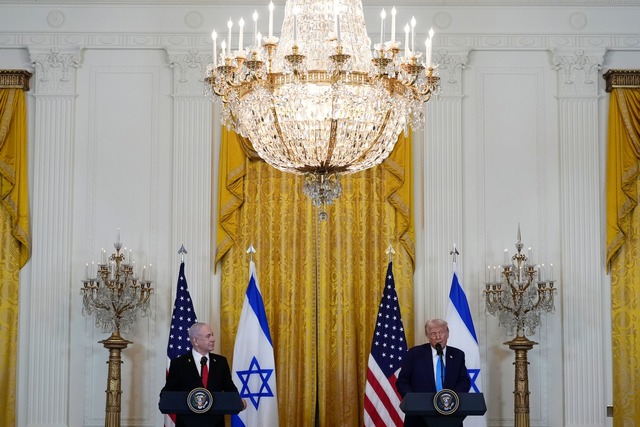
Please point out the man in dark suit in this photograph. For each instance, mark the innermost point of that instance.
(419, 372)
(186, 371)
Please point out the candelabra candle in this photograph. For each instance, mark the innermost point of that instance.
(114, 295)
(520, 295)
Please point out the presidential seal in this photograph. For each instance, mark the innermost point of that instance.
(446, 401)
(200, 400)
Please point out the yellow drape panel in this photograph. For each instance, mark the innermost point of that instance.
(321, 282)
(623, 251)
(622, 165)
(233, 164)
(625, 304)
(14, 235)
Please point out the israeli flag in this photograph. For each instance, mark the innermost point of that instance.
(462, 334)
(254, 368)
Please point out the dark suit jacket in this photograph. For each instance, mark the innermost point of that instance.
(416, 375)
(183, 376)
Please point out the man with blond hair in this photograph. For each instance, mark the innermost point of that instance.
(431, 367)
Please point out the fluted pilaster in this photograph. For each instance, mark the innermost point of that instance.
(440, 177)
(50, 284)
(581, 284)
(192, 172)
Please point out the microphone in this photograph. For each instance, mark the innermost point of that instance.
(203, 365)
(439, 349)
(204, 372)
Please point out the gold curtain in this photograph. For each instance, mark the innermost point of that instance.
(623, 251)
(14, 231)
(321, 281)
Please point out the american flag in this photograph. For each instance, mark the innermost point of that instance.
(183, 317)
(389, 346)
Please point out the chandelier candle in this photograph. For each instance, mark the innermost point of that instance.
(383, 15)
(270, 19)
(393, 25)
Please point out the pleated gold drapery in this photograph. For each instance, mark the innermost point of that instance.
(14, 228)
(623, 251)
(321, 282)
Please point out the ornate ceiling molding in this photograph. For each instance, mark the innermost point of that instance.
(397, 3)
(445, 41)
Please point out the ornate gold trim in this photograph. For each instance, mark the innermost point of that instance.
(15, 79)
(622, 78)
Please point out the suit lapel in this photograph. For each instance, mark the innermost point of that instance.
(193, 371)
(449, 370)
(431, 378)
(212, 368)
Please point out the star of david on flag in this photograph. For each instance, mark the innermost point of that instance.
(254, 368)
(389, 346)
(462, 334)
(183, 317)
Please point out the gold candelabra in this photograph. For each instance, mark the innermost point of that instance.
(115, 295)
(518, 297)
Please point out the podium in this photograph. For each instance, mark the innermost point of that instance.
(421, 405)
(176, 402)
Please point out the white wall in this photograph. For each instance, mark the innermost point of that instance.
(121, 136)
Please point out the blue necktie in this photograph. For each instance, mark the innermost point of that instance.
(439, 374)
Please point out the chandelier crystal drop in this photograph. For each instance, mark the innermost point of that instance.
(319, 100)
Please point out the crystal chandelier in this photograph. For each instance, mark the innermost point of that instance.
(521, 294)
(319, 100)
